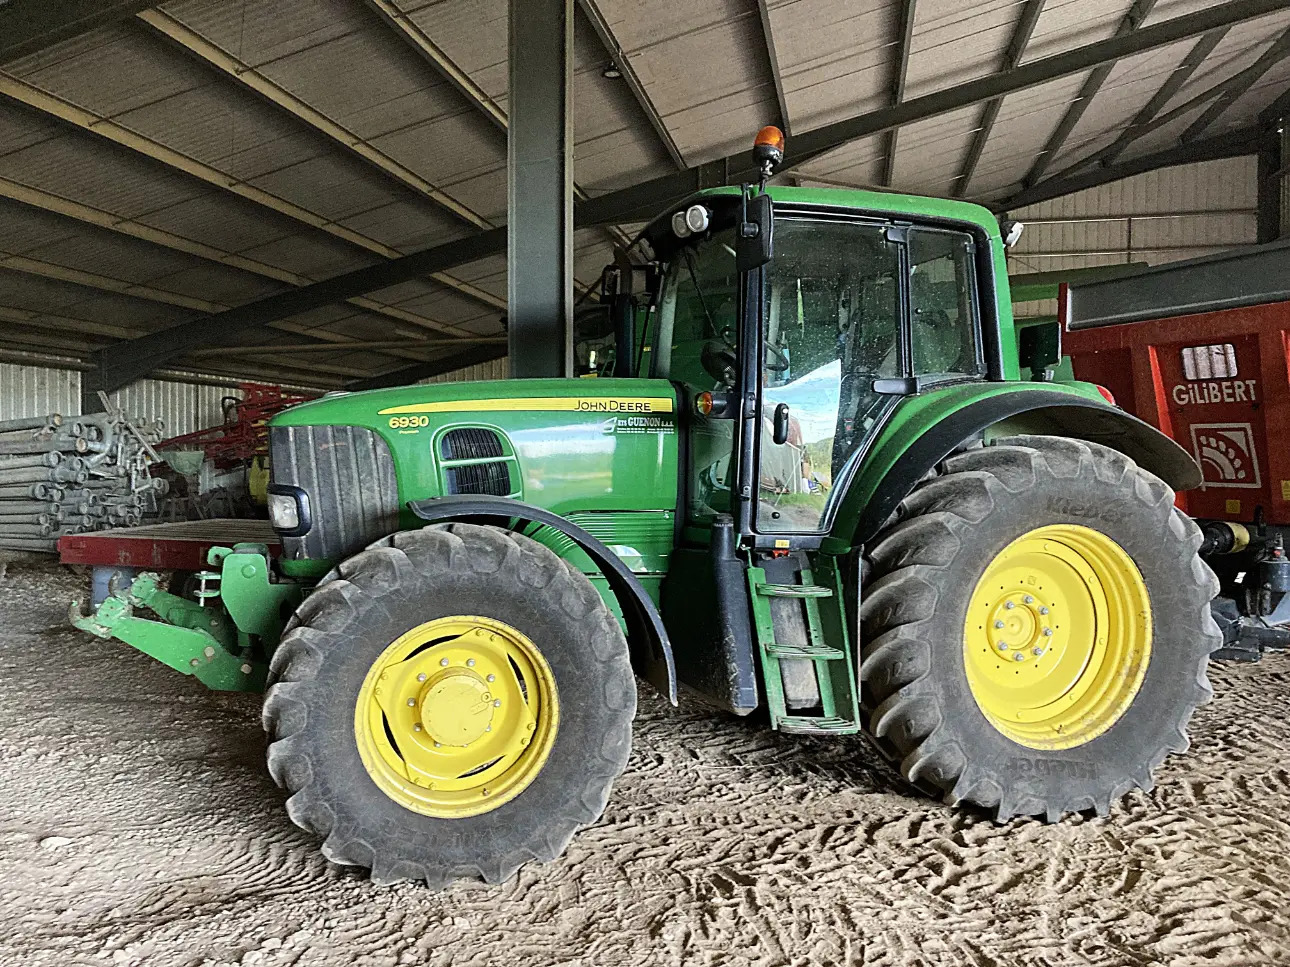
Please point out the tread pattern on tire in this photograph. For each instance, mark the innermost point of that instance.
(366, 581)
(932, 523)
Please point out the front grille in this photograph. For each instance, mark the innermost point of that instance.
(348, 474)
(470, 443)
(480, 478)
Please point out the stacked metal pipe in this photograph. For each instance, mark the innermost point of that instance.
(62, 476)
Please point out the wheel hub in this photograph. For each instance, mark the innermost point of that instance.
(456, 707)
(1020, 627)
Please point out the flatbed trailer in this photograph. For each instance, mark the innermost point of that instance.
(123, 552)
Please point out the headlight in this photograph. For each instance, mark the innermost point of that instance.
(697, 219)
(284, 512)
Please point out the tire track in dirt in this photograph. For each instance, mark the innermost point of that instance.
(139, 827)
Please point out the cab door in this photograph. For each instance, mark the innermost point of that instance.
(849, 304)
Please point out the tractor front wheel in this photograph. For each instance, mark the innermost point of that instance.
(1037, 629)
(450, 703)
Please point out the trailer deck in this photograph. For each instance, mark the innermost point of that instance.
(180, 546)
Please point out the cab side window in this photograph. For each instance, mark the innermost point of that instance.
(942, 301)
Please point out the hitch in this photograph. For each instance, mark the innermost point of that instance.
(224, 641)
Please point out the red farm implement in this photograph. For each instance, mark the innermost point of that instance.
(1201, 350)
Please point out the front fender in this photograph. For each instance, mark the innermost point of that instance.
(651, 650)
(903, 462)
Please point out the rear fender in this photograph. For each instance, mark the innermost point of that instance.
(651, 651)
(1038, 412)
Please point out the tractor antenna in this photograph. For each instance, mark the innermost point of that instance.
(768, 152)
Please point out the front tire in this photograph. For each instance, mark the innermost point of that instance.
(450, 703)
(1037, 629)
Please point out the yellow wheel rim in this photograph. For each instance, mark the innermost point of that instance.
(457, 716)
(1058, 637)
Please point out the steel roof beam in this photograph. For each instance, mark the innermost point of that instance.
(29, 26)
(1025, 29)
(92, 123)
(56, 204)
(221, 60)
(128, 361)
(772, 58)
(616, 53)
(1180, 76)
(1277, 51)
(1130, 25)
(474, 95)
(103, 283)
(1214, 93)
(1230, 145)
(904, 41)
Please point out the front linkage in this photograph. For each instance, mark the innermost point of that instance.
(224, 639)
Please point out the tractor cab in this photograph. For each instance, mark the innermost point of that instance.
(819, 328)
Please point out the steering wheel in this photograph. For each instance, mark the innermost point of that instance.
(777, 359)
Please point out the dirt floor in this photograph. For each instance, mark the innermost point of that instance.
(138, 826)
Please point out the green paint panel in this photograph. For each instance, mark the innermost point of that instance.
(913, 417)
(613, 449)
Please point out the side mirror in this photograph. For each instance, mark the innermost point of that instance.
(898, 386)
(779, 430)
(754, 246)
(1040, 346)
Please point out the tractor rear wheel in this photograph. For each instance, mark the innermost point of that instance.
(1036, 629)
(449, 703)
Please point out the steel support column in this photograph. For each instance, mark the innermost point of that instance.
(539, 139)
(1271, 183)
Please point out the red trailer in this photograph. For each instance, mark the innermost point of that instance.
(1201, 350)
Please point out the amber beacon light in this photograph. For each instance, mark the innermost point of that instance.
(768, 149)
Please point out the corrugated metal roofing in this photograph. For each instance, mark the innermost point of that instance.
(315, 209)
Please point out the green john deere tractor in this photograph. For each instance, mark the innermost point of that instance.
(822, 484)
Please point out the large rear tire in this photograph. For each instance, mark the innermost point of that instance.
(450, 703)
(1036, 629)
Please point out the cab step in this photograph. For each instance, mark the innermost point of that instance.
(817, 643)
(794, 591)
(814, 652)
(806, 725)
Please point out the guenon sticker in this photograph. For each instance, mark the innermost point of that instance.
(638, 424)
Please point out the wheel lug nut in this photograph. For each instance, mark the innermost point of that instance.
(497, 703)
(1003, 646)
(998, 624)
(1043, 611)
(1018, 656)
(470, 662)
(421, 677)
(488, 728)
(436, 745)
(1036, 651)
(1009, 605)
(492, 678)
(416, 727)
(412, 703)
(1048, 632)
(1029, 599)
(443, 661)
